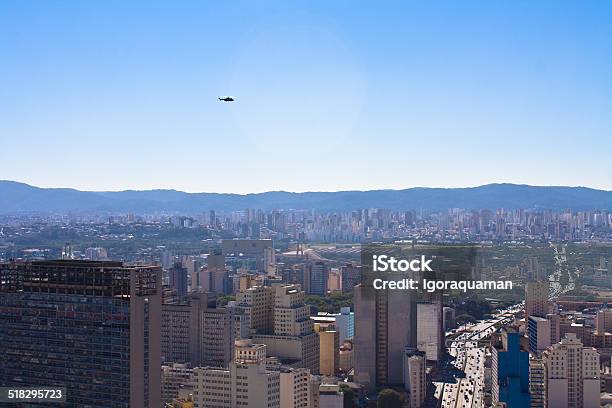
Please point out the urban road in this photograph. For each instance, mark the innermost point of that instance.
(463, 382)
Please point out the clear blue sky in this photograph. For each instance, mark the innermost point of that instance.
(331, 95)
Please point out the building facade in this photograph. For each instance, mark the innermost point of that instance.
(90, 326)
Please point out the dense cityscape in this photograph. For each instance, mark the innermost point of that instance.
(260, 308)
(316, 204)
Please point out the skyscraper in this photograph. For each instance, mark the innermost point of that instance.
(385, 324)
(257, 305)
(293, 337)
(414, 376)
(197, 331)
(90, 326)
(246, 383)
(351, 276)
(572, 374)
(294, 388)
(178, 279)
(319, 277)
(510, 370)
(539, 334)
(430, 333)
(536, 299)
(345, 324)
(604, 321)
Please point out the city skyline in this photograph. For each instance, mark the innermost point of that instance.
(459, 95)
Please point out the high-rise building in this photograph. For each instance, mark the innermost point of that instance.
(536, 299)
(430, 333)
(510, 370)
(246, 383)
(539, 334)
(555, 327)
(178, 279)
(448, 318)
(198, 332)
(319, 277)
(351, 276)
(330, 396)
(248, 248)
(537, 387)
(176, 329)
(257, 303)
(213, 280)
(414, 377)
(293, 339)
(604, 321)
(345, 324)
(215, 261)
(90, 326)
(294, 387)
(385, 324)
(269, 260)
(334, 282)
(218, 331)
(172, 378)
(329, 348)
(572, 374)
(346, 357)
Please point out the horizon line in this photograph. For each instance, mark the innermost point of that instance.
(306, 191)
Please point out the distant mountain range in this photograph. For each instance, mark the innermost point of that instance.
(19, 198)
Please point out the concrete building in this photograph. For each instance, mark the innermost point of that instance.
(172, 378)
(176, 327)
(319, 278)
(537, 382)
(330, 396)
(246, 383)
(269, 261)
(329, 349)
(604, 321)
(257, 303)
(572, 374)
(385, 324)
(253, 249)
(555, 327)
(334, 281)
(213, 280)
(315, 383)
(538, 329)
(345, 324)
(215, 261)
(293, 339)
(510, 370)
(536, 299)
(415, 382)
(294, 388)
(448, 318)
(430, 332)
(85, 311)
(198, 332)
(350, 275)
(346, 357)
(217, 336)
(177, 279)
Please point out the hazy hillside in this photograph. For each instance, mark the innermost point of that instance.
(19, 197)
